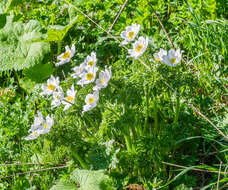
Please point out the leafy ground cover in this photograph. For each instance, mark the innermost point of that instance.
(154, 126)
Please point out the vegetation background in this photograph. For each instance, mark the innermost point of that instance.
(148, 131)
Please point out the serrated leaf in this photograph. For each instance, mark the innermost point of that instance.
(87, 180)
(6, 5)
(21, 46)
(27, 84)
(58, 32)
(39, 72)
(64, 185)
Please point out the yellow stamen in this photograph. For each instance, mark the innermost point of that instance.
(66, 55)
(157, 59)
(34, 132)
(131, 34)
(139, 48)
(89, 76)
(91, 100)
(173, 60)
(102, 80)
(51, 87)
(45, 125)
(91, 63)
(69, 98)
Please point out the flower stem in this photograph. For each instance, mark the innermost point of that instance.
(59, 46)
(79, 159)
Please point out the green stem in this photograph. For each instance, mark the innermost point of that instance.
(128, 142)
(79, 159)
(59, 46)
(147, 110)
(177, 109)
(155, 114)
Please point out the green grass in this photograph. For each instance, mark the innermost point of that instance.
(147, 115)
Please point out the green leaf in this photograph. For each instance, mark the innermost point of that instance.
(21, 46)
(39, 72)
(4, 4)
(87, 180)
(64, 185)
(7, 5)
(58, 32)
(27, 84)
(2, 20)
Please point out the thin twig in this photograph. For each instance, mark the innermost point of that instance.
(148, 68)
(19, 163)
(163, 27)
(35, 171)
(209, 121)
(196, 169)
(219, 176)
(99, 26)
(121, 10)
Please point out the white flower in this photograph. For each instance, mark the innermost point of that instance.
(139, 47)
(33, 135)
(40, 126)
(130, 33)
(66, 57)
(79, 70)
(91, 101)
(158, 56)
(173, 57)
(57, 97)
(104, 77)
(46, 125)
(38, 120)
(89, 76)
(70, 99)
(91, 60)
(51, 86)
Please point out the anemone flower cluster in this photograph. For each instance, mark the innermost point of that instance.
(40, 126)
(171, 58)
(86, 73)
(139, 46)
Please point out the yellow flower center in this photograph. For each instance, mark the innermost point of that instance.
(131, 34)
(51, 87)
(157, 59)
(139, 48)
(34, 132)
(102, 80)
(173, 60)
(89, 76)
(69, 98)
(45, 125)
(91, 100)
(91, 63)
(66, 55)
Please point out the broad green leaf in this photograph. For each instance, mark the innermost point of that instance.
(27, 84)
(39, 72)
(21, 46)
(58, 32)
(64, 185)
(6, 5)
(87, 180)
